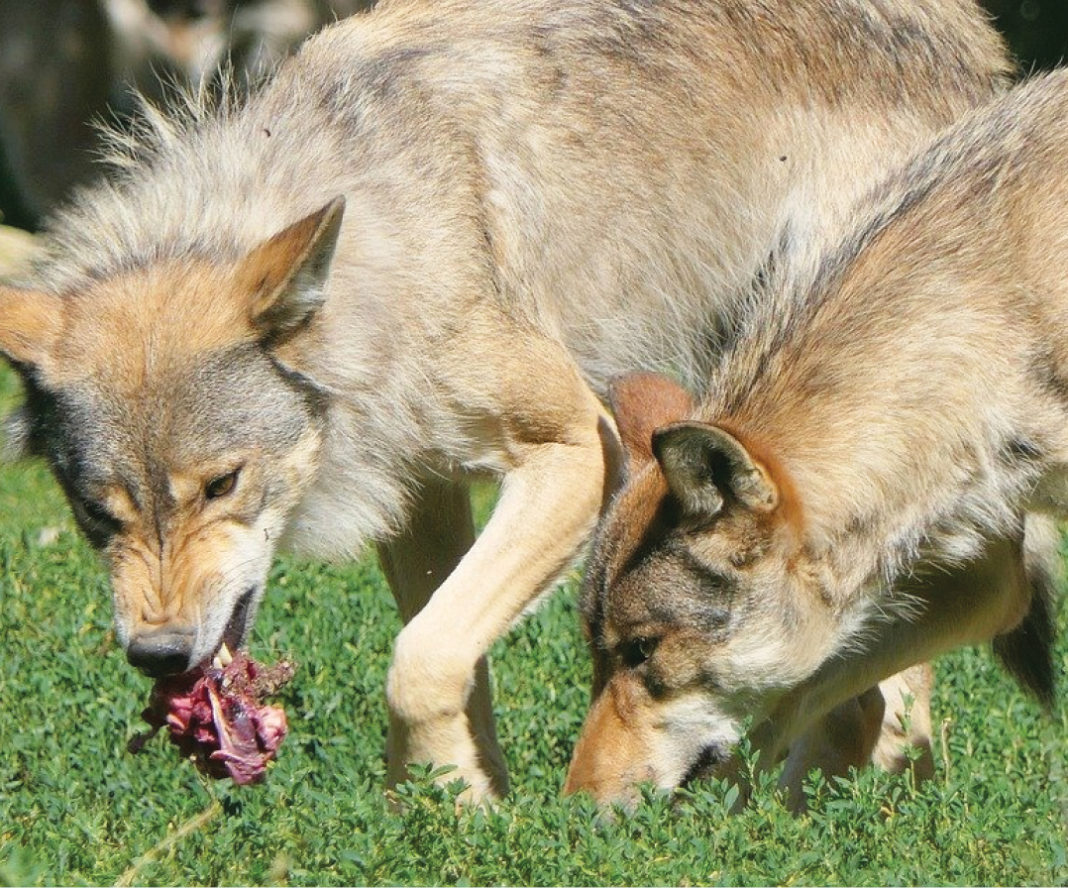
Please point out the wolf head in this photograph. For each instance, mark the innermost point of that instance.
(699, 604)
(163, 400)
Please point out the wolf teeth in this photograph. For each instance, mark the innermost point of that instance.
(223, 658)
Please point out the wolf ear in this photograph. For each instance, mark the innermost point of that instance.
(29, 325)
(703, 464)
(642, 403)
(285, 276)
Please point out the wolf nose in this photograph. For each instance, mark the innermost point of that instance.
(158, 654)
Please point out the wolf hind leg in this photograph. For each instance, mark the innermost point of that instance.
(416, 562)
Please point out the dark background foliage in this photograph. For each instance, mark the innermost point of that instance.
(1037, 30)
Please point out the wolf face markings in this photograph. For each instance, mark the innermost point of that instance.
(182, 456)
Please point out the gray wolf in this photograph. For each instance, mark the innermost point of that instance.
(868, 479)
(415, 257)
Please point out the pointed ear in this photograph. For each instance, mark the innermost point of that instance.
(641, 403)
(704, 465)
(285, 276)
(29, 325)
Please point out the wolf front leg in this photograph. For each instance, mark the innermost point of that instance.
(560, 452)
(888, 725)
(439, 533)
(905, 733)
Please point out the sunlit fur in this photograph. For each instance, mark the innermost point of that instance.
(538, 196)
(903, 389)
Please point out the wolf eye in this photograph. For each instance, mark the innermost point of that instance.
(637, 651)
(221, 486)
(98, 514)
(98, 524)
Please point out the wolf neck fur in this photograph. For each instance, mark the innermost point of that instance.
(868, 366)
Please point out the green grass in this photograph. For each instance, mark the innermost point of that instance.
(76, 808)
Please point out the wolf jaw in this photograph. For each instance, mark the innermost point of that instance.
(236, 631)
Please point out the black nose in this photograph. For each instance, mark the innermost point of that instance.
(161, 653)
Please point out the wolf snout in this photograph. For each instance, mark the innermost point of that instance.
(161, 652)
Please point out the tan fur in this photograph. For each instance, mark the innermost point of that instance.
(538, 196)
(908, 379)
(31, 326)
(614, 751)
(904, 739)
(166, 576)
(122, 330)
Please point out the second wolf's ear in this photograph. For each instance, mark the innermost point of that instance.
(703, 464)
(29, 325)
(642, 403)
(285, 276)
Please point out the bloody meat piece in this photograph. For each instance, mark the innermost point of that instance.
(216, 716)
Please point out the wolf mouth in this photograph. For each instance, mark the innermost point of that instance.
(705, 765)
(233, 636)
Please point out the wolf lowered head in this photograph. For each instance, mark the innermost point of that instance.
(166, 402)
(698, 604)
